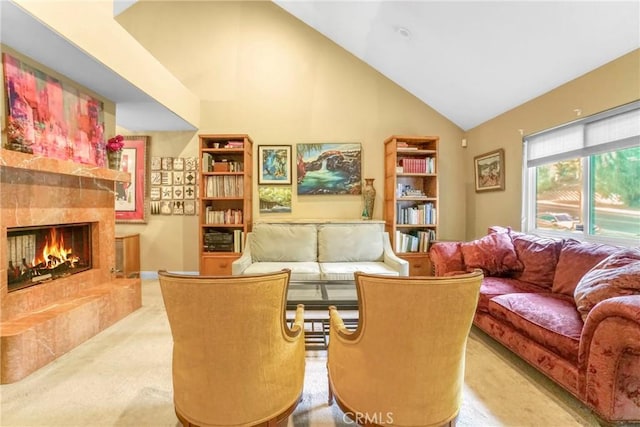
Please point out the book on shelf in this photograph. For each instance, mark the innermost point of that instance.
(424, 213)
(418, 165)
(416, 241)
(401, 145)
(235, 144)
(223, 216)
(224, 186)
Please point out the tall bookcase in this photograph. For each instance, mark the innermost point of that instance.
(411, 198)
(225, 200)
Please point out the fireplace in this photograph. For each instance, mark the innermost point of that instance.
(43, 253)
(44, 318)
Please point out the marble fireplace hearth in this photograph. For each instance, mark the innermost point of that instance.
(40, 323)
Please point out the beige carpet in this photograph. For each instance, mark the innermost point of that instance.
(122, 377)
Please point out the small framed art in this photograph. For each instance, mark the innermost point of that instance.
(274, 164)
(130, 197)
(489, 171)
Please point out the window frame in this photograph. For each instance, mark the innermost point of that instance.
(529, 179)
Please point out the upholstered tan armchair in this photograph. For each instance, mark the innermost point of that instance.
(404, 364)
(235, 359)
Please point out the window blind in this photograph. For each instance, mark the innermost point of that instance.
(609, 131)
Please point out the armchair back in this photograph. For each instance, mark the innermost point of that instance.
(235, 359)
(405, 360)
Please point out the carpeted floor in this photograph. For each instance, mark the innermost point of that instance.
(122, 377)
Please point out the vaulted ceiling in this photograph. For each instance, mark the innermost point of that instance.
(469, 60)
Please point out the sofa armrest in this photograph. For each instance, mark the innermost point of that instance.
(446, 257)
(609, 359)
(241, 264)
(390, 258)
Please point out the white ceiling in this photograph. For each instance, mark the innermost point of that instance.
(471, 61)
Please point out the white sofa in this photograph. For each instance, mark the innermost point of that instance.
(320, 251)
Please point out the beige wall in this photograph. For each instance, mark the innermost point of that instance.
(613, 84)
(90, 26)
(259, 71)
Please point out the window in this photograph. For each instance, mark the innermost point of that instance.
(582, 180)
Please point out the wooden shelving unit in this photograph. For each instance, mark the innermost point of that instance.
(225, 200)
(411, 198)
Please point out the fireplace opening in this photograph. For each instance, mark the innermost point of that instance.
(43, 253)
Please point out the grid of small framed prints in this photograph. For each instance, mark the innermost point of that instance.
(174, 188)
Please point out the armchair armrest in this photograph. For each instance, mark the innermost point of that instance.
(297, 328)
(390, 258)
(336, 324)
(609, 359)
(241, 264)
(446, 257)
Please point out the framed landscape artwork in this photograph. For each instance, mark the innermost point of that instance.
(274, 198)
(131, 203)
(331, 168)
(489, 171)
(274, 164)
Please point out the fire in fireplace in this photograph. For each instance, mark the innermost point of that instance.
(38, 254)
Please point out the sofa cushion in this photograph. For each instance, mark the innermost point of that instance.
(344, 243)
(616, 275)
(539, 258)
(549, 319)
(494, 286)
(446, 257)
(576, 258)
(494, 254)
(284, 242)
(345, 270)
(300, 271)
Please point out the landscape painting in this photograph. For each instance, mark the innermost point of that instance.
(274, 199)
(329, 168)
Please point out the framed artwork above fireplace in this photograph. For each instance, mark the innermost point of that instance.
(131, 198)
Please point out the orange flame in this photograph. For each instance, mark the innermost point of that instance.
(54, 253)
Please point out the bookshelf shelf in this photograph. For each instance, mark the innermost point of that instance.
(225, 208)
(411, 198)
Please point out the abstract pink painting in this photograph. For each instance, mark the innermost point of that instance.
(50, 118)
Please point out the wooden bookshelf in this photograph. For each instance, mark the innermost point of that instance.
(225, 200)
(410, 209)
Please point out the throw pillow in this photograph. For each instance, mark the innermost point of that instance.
(576, 258)
(539, 257)
(494, 254)
(616, 275)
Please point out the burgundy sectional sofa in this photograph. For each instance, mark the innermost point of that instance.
(571, 309)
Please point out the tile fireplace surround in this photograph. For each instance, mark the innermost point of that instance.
(44, 321)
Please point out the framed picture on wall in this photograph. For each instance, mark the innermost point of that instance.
(489, 171)
(329, 168)
(274, 164)
(131, 200)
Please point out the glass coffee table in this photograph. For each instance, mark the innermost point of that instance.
(317, 297)
(321, 295)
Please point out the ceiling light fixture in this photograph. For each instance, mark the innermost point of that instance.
(404, 32)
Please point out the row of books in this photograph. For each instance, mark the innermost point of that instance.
(209, 164)
(420, 214)
(417, 241)
(218, 241)
(226, 216)
(224, 186)
(423, 165)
